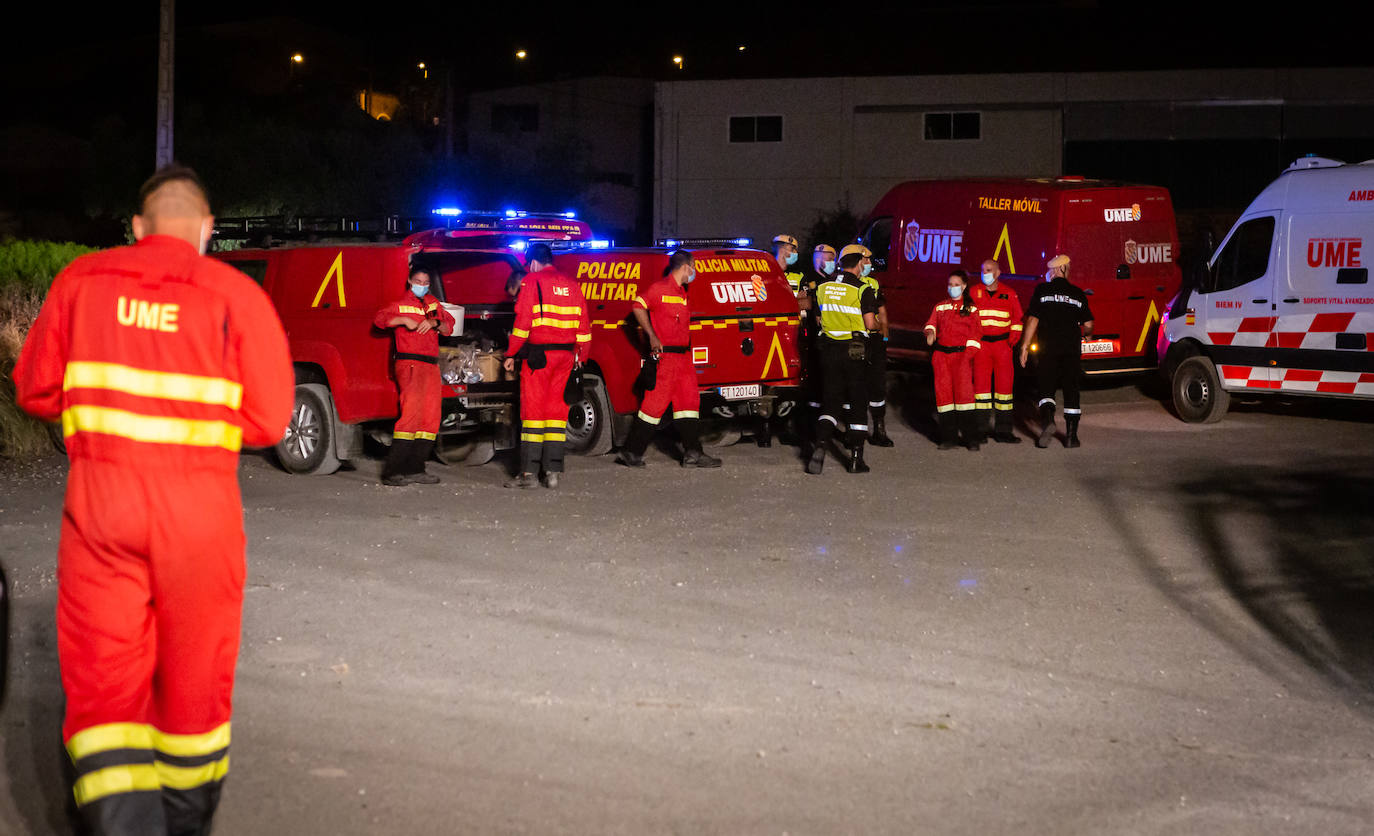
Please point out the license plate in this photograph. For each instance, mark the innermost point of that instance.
(740, 393)
(1099, 346)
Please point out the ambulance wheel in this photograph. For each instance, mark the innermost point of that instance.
(308, 447)
(1197, 393)
(589, 431)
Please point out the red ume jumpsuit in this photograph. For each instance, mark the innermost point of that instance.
(956, 341)
(671, 319)
(1000, 313)
(552, 320)
(160, 364)
(417, 377)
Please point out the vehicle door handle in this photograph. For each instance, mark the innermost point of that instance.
(1291, 301)
(1259, 301)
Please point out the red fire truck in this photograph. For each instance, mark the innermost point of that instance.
(1122, 239)
(327, 280)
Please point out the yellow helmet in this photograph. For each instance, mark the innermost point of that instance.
(784, 239)
(824, 248)
(856, 248)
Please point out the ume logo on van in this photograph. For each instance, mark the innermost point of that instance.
(750, 291)
(1334, 252)
(1149, 253)
(933, 246)
(1122, 215)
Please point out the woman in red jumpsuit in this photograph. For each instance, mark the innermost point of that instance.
(954, 332)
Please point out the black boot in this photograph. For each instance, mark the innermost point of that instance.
(973, 429)
(1046, 425)
(641, 433)
(1071, 431)
(1002, 432)
(823, 431)
(763, 434)
(855, 464)
(878, 438)
(949, 431)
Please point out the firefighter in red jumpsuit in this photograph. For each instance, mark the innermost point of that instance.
(160, 364)
(662, 311)
(953, 332)
(552, 333)
(1000, 313)
(417, 319)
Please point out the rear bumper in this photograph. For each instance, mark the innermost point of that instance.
(777, 400)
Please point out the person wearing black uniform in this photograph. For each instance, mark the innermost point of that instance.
(876, 370)
(822, 269)
(848, 313)
(1059, 315)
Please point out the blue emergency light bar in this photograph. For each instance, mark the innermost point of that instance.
(673, 243)
(448, 211)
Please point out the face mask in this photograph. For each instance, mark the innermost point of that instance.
(955, 292)
(419, 290)
(828, 268)
(868, 268)
(988, 279)
(691, 276)
(1049, 276)
(791, 259)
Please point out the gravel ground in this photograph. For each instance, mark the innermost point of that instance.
(1166, 631)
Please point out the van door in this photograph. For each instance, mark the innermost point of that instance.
(1237, 298)
(1324, 306)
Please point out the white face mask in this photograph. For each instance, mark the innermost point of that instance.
(419, 290)
(691, 276)
(955, 292)
(828, 267)
(989, 279)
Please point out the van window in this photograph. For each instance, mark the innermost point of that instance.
(1245, 258)
(255, 270)
(878, 238)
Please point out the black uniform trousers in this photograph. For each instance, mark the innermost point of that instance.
(876, 375)
(1060, 371)
(844, 389)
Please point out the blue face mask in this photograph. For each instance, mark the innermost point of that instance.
(988, 279)
(691, 276)
(955, 292)
(868, 268)
(419, 290)
(828, 268)
(791, 259)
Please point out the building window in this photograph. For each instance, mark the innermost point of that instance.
(963, 125)
(756, 129)
(514, 118)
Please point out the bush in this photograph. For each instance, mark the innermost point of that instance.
(836, 227)
(27, 269)
(21, 437)
(32, 265)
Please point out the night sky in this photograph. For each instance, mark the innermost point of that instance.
(102, 59)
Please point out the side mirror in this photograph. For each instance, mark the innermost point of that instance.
(1123, 271)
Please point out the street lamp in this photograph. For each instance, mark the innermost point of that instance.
(520, 54)
(297, 58)
(421, 66)
(677, 59)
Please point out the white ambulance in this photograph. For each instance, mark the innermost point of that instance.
(1285, 305)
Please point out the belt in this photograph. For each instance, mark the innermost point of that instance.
(995, 338)
(555, 346)
(675, 349)
(949, 349)
(419, 358)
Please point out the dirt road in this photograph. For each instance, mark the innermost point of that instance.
(1166, 631)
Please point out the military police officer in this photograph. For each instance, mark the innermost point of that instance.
(848, 314)
(785, 251)
(875, 366)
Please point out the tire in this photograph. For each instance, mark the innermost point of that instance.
(452, 449)
(719, 434)
(589, 431)
(1197, 393)
(308, 447)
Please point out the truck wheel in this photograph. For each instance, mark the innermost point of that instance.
(308, 447)
(1197, 393)
(719, 434)
(589, 420)
(452, 449)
